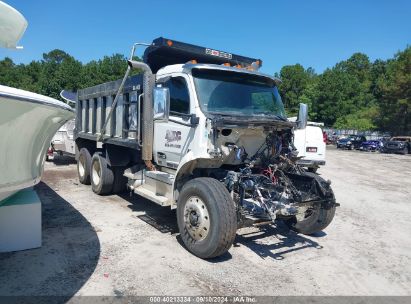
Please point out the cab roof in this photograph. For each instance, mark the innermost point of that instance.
(187, 67)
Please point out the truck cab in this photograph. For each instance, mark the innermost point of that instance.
(202, 131)
(200, 94)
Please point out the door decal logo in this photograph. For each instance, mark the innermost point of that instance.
(173, 136)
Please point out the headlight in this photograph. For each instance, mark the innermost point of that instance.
(348, 142)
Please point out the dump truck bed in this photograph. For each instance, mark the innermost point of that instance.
(94, 104)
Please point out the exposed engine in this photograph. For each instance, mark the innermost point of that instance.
(270, 185)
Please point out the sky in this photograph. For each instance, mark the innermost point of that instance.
(314, 33)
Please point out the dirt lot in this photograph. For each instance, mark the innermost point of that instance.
(122, 245)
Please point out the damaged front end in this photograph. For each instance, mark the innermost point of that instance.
(270, 185)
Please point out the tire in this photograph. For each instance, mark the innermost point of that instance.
(315, 221)
(84, 166)
(102, 177)
(405, 151)
(120, 181)
(206, 217)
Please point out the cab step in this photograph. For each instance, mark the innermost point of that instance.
(156, 186)
(150, 195)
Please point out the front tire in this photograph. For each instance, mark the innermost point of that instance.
(102, 177)
(206, 217)
(317, 219)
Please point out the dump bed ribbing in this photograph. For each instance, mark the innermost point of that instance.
(94, 104)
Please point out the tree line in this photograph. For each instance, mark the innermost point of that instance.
(354, 94)
(58, 70)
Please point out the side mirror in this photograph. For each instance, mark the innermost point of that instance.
(161, 107)
(302, 116)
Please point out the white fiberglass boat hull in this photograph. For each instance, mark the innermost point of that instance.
(12, 26)
(28, 122)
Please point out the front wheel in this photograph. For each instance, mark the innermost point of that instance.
(206, 217)
(315, 220)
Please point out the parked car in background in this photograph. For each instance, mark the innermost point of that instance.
(331, 138)
(398, 144)
(371, 145)
(351, 142)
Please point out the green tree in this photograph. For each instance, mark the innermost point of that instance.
(59, 71)
(8, 73)
(343, 93)
(295, 80)
(395, 90)
(362, 120)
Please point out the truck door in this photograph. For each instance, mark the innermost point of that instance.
(172, 138)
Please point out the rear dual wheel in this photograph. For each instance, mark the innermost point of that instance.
(102, 176)
(83, 166)
(106, 179)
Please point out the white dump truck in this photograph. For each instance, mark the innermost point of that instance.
(202, 131)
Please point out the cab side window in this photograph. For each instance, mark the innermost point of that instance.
(179, 96)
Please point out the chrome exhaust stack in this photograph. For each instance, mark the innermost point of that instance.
(147, 119)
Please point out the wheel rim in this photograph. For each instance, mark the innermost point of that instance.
(196, 218)
(81, 166)
(96, 173)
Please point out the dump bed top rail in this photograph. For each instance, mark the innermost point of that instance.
(163, 52)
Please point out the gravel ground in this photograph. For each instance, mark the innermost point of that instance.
(125, 245)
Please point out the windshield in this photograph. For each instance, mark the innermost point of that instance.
(233, 93)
